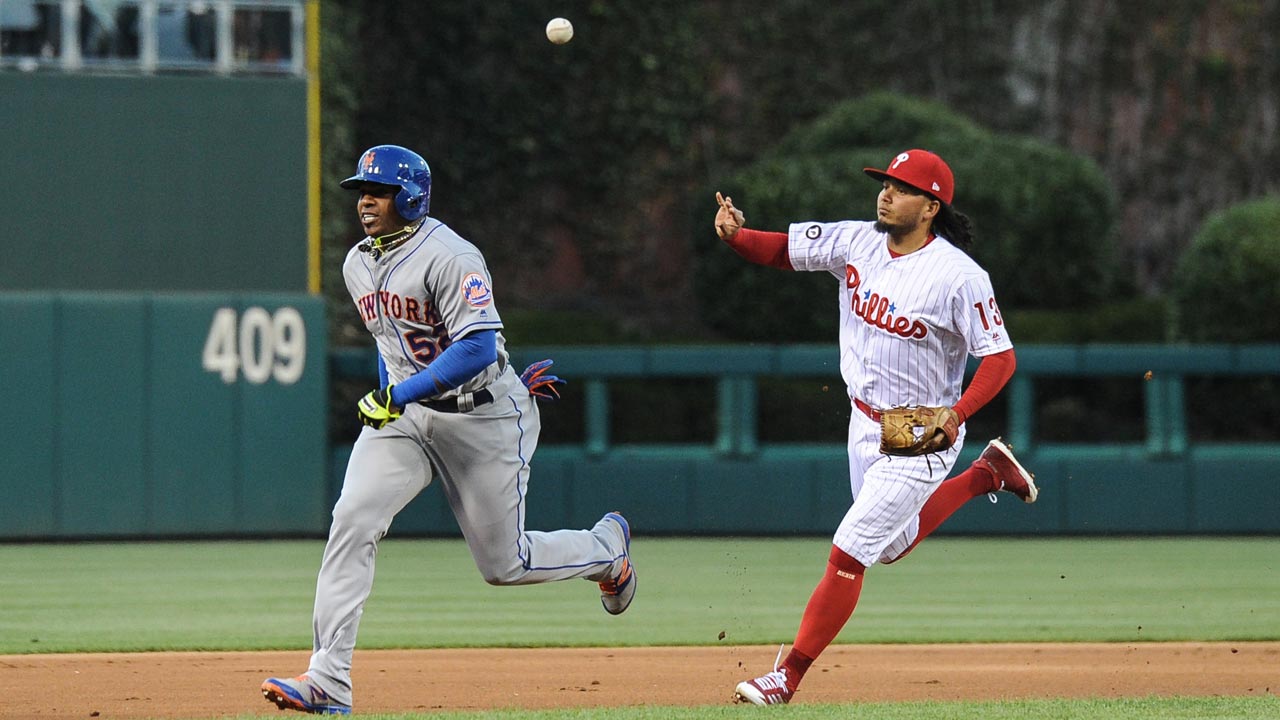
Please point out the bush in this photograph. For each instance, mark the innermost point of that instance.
(1225, 286)
(1043, 217)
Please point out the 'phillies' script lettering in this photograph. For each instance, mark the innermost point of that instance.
(874, 310)
(411, 309)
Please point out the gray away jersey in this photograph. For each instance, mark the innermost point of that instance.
(416, 299)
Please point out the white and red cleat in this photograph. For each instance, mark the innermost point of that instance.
(997, 458)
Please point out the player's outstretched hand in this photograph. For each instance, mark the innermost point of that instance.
(728, 218)
(376, 410)
(541, 386)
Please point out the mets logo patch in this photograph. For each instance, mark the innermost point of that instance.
(476, 291)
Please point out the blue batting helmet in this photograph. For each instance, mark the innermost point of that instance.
(394, 165)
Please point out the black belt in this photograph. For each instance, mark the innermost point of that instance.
(461, 404)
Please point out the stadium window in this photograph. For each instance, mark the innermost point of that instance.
(148, 36)
(263, 36)
(186, 35)
(108, 30)
(30, 32)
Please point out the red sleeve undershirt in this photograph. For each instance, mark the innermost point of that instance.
(762, 247)
(990, 377)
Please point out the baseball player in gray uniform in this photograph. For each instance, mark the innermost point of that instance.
(913, 306)
(449, 407)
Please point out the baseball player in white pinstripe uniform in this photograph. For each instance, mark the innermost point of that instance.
(449, 406)
(913, 306)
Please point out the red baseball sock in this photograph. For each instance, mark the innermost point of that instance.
(949, 496)
(828, 610)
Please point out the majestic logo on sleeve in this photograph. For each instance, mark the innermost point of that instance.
(476, 291)
(879, 311)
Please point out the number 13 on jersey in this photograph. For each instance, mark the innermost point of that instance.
(995, 313)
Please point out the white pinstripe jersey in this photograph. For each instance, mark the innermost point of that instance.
(908, 323)
(420, 296)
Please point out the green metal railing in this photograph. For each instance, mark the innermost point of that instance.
(1162, 370)
(735, 371)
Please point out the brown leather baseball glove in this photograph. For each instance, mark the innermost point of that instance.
(918, 430)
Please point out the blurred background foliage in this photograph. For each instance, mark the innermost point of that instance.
(1088, 153)
(1227, 285)
(1040, 213)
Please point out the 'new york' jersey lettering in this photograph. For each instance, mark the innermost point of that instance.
(414, 310)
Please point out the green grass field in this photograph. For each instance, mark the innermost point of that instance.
(95, 597)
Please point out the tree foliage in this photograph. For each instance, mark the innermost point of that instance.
(578, 168)
(583, 170)
(1226, 287)
(553, 159)
(1042, 216)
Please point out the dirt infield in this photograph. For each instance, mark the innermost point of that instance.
(201, 685)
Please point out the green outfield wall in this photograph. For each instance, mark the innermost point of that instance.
(146, 415)
(154, 182)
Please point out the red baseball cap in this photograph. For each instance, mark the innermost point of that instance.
(921, 170)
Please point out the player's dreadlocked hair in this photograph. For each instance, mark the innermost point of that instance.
(954, 226)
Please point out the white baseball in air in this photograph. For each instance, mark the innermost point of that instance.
(559, 31)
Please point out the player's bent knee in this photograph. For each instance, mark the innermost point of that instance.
(502, 573)
(500, 579)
